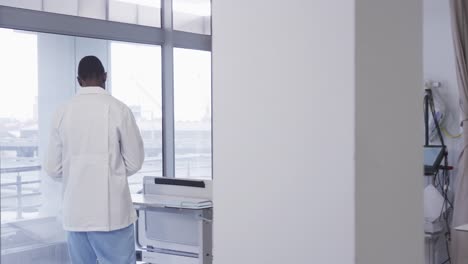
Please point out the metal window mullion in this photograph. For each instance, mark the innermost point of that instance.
(107, 9)
(188, 40)
(44, 22)
(168, 128)
(109, 66)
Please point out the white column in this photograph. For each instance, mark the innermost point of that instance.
(317, 132)
(56, 73)
(283, 93)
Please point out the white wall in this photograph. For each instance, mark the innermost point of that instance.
(283, 93)
(389, 176)
(284, 83)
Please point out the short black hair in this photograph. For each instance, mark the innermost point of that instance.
(90, 67)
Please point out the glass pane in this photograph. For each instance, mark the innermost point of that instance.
(141, 12)
(18, 123)
(38, 76)
(84, 8)
(192, 16)
(91, 8)
(192, 103)
(136, 81)
(27, 4)
(62, 7)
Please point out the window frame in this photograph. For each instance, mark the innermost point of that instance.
(166, 37)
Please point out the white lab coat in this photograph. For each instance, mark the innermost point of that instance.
(95, 144)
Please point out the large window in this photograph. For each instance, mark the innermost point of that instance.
(19, 160)
(136, 81)
(36, 76)
(167, 87)
(40, 74)
(192, 103)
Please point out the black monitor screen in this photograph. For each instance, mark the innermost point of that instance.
(433, 156)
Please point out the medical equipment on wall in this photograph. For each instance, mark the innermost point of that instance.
(433, 157)
(441, 113)
(438, 107)
(175, 221)
(437, 203)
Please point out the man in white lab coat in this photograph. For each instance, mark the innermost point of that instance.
(95, 144)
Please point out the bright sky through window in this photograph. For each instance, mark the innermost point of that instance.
(192, 85)
(18, 71)
(136, 77)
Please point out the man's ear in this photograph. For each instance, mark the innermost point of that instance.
(80, 82)
(104, 77)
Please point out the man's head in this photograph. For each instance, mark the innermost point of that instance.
(91, 72)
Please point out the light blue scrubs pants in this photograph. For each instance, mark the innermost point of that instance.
(114, 247)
